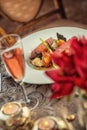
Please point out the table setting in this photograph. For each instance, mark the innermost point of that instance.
(33, 98)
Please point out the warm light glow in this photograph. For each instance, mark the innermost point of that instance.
(46, 124)
(10, 108)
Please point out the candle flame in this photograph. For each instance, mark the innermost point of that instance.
(46, 123)
(10, 106)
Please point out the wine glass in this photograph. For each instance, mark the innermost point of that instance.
(13, 57)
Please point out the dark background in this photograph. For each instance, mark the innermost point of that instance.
(76, 10)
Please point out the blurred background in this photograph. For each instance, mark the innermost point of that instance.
(75, 10)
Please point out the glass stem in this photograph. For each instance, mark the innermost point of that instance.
(24, 92)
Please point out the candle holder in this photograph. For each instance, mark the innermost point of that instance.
(15, 116)
(50, 123)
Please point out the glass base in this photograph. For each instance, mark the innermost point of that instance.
(32, 102)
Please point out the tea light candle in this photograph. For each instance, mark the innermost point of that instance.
(46, 124)
(10, 108)
(50, 123)
(14, 115)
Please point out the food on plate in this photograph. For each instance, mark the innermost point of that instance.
(40, 57)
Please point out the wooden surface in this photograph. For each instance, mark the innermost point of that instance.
(27, 29)
(47, 10)
(51, 21)
(16, 10)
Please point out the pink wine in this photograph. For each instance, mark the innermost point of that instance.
(14, 62)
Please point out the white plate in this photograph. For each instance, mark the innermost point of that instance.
(31, 41)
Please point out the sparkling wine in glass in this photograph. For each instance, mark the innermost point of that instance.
(14, 61)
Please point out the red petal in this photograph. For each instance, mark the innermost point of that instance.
(63, 89)
(53, 74)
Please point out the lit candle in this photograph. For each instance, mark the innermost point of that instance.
(10, 108)
(14, 115)
(46, 124)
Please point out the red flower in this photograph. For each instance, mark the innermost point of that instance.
(81, 67)
(81, 83)
(59, 76)
(62, 89)
(72, 68)
(79, 51)
(64, 61)
(63, 84)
